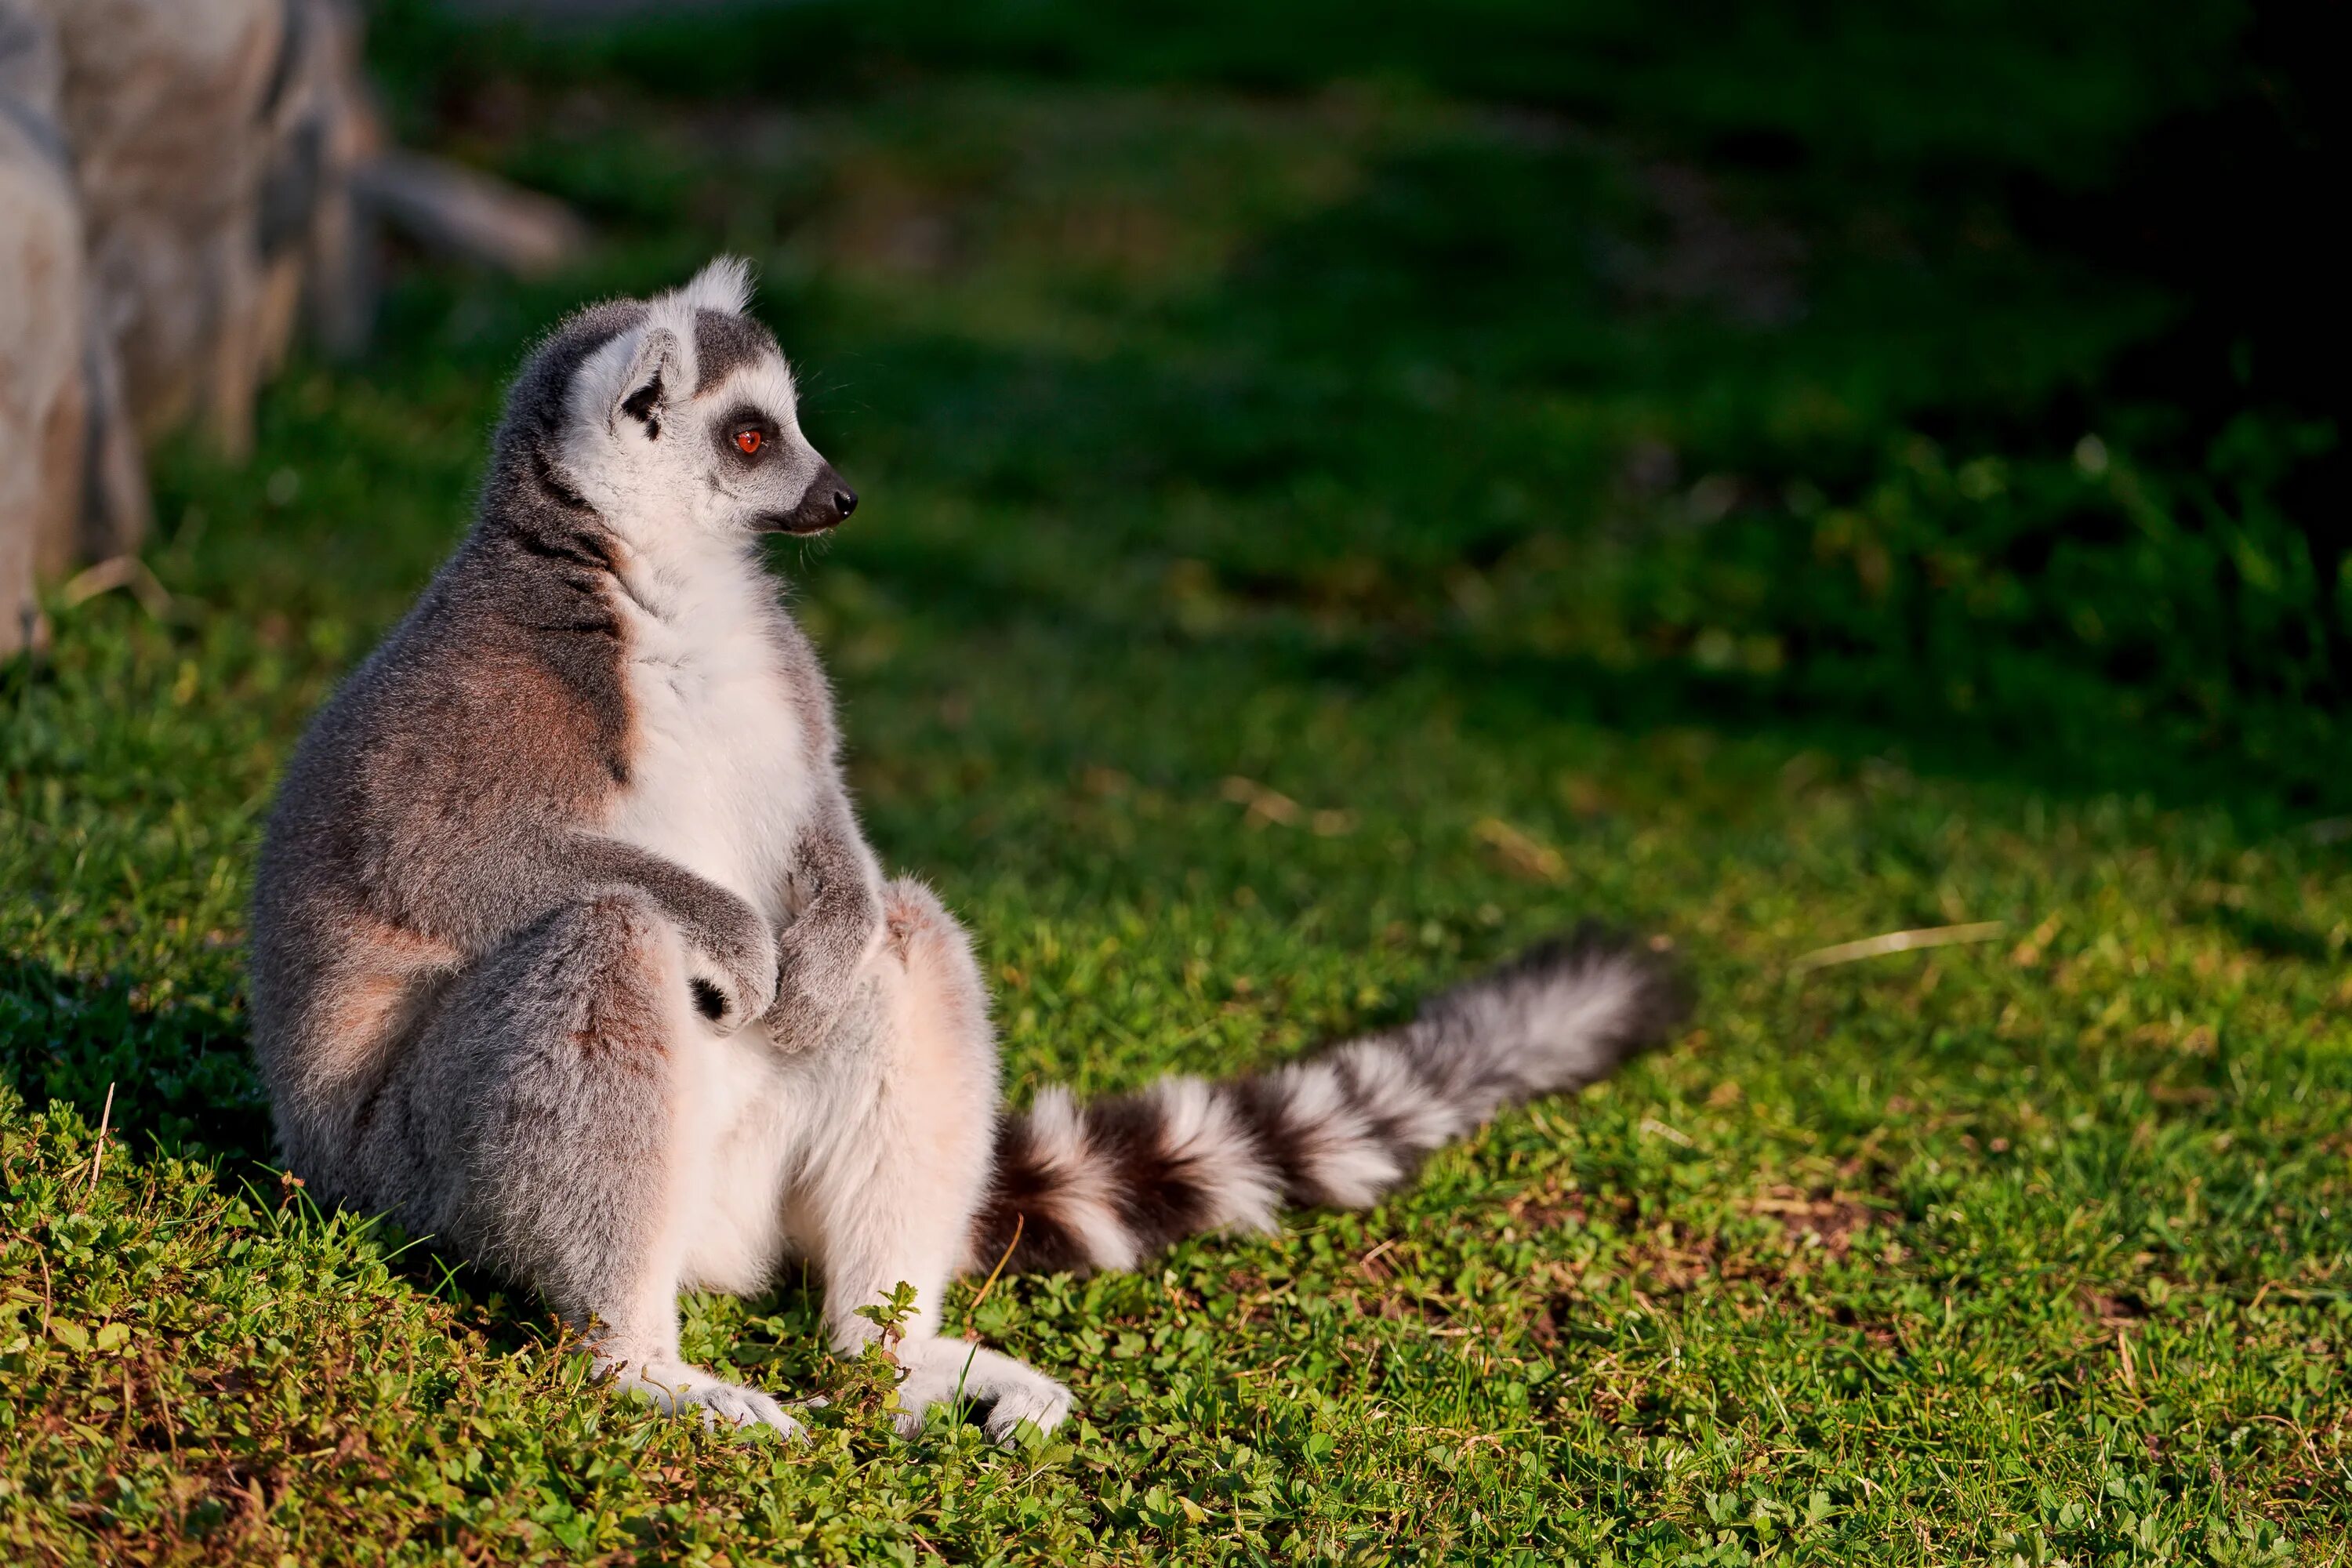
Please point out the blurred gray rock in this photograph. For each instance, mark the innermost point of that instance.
(71, 482)
(166, 109)
(184, 185)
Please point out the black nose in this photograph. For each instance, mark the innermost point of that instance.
(828, 503)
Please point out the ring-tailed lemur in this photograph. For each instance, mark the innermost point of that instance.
(567, 949)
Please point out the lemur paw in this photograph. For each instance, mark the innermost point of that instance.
(841, 894)
(735, 975)
(679, 1389)
(945, 1371)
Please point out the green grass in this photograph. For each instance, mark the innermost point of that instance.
(1567, 511)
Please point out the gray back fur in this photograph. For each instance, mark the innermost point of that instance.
(449, 793)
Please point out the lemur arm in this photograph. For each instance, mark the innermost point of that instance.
(711, 918)
(475, 900)
(821, 952)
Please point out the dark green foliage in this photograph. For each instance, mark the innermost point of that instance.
(1915, 203)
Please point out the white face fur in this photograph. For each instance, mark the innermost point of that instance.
(686, 425)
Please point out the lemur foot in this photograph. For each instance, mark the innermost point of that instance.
(939, 1372)
(678, 1387)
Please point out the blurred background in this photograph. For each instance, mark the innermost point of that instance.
(1937, 391)
(1955, 373)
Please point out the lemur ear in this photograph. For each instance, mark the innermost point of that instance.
(724, 284)
(654, 375)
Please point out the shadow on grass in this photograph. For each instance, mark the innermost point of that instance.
(181, 1073)
(2046, 742)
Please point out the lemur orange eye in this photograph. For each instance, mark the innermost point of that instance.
(748, 441)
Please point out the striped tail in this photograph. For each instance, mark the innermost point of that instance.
(1106, 1186)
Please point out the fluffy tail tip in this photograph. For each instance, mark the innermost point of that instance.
(1565, 1012)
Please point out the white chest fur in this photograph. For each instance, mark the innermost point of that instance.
(720, 780)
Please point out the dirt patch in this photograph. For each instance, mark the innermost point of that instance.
(1830, 1221)
(2111, 1311)
(1549, 1205)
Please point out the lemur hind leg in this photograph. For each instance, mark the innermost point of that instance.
(894, 1179)
(565, 1096)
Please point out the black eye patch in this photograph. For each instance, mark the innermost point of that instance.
(745, 435)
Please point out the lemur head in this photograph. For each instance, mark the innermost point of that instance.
(686, 418)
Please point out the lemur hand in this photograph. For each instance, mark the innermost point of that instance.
(851, 902)
(732, 967)
(821, 951)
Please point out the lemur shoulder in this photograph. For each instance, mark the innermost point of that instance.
(568, 950)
